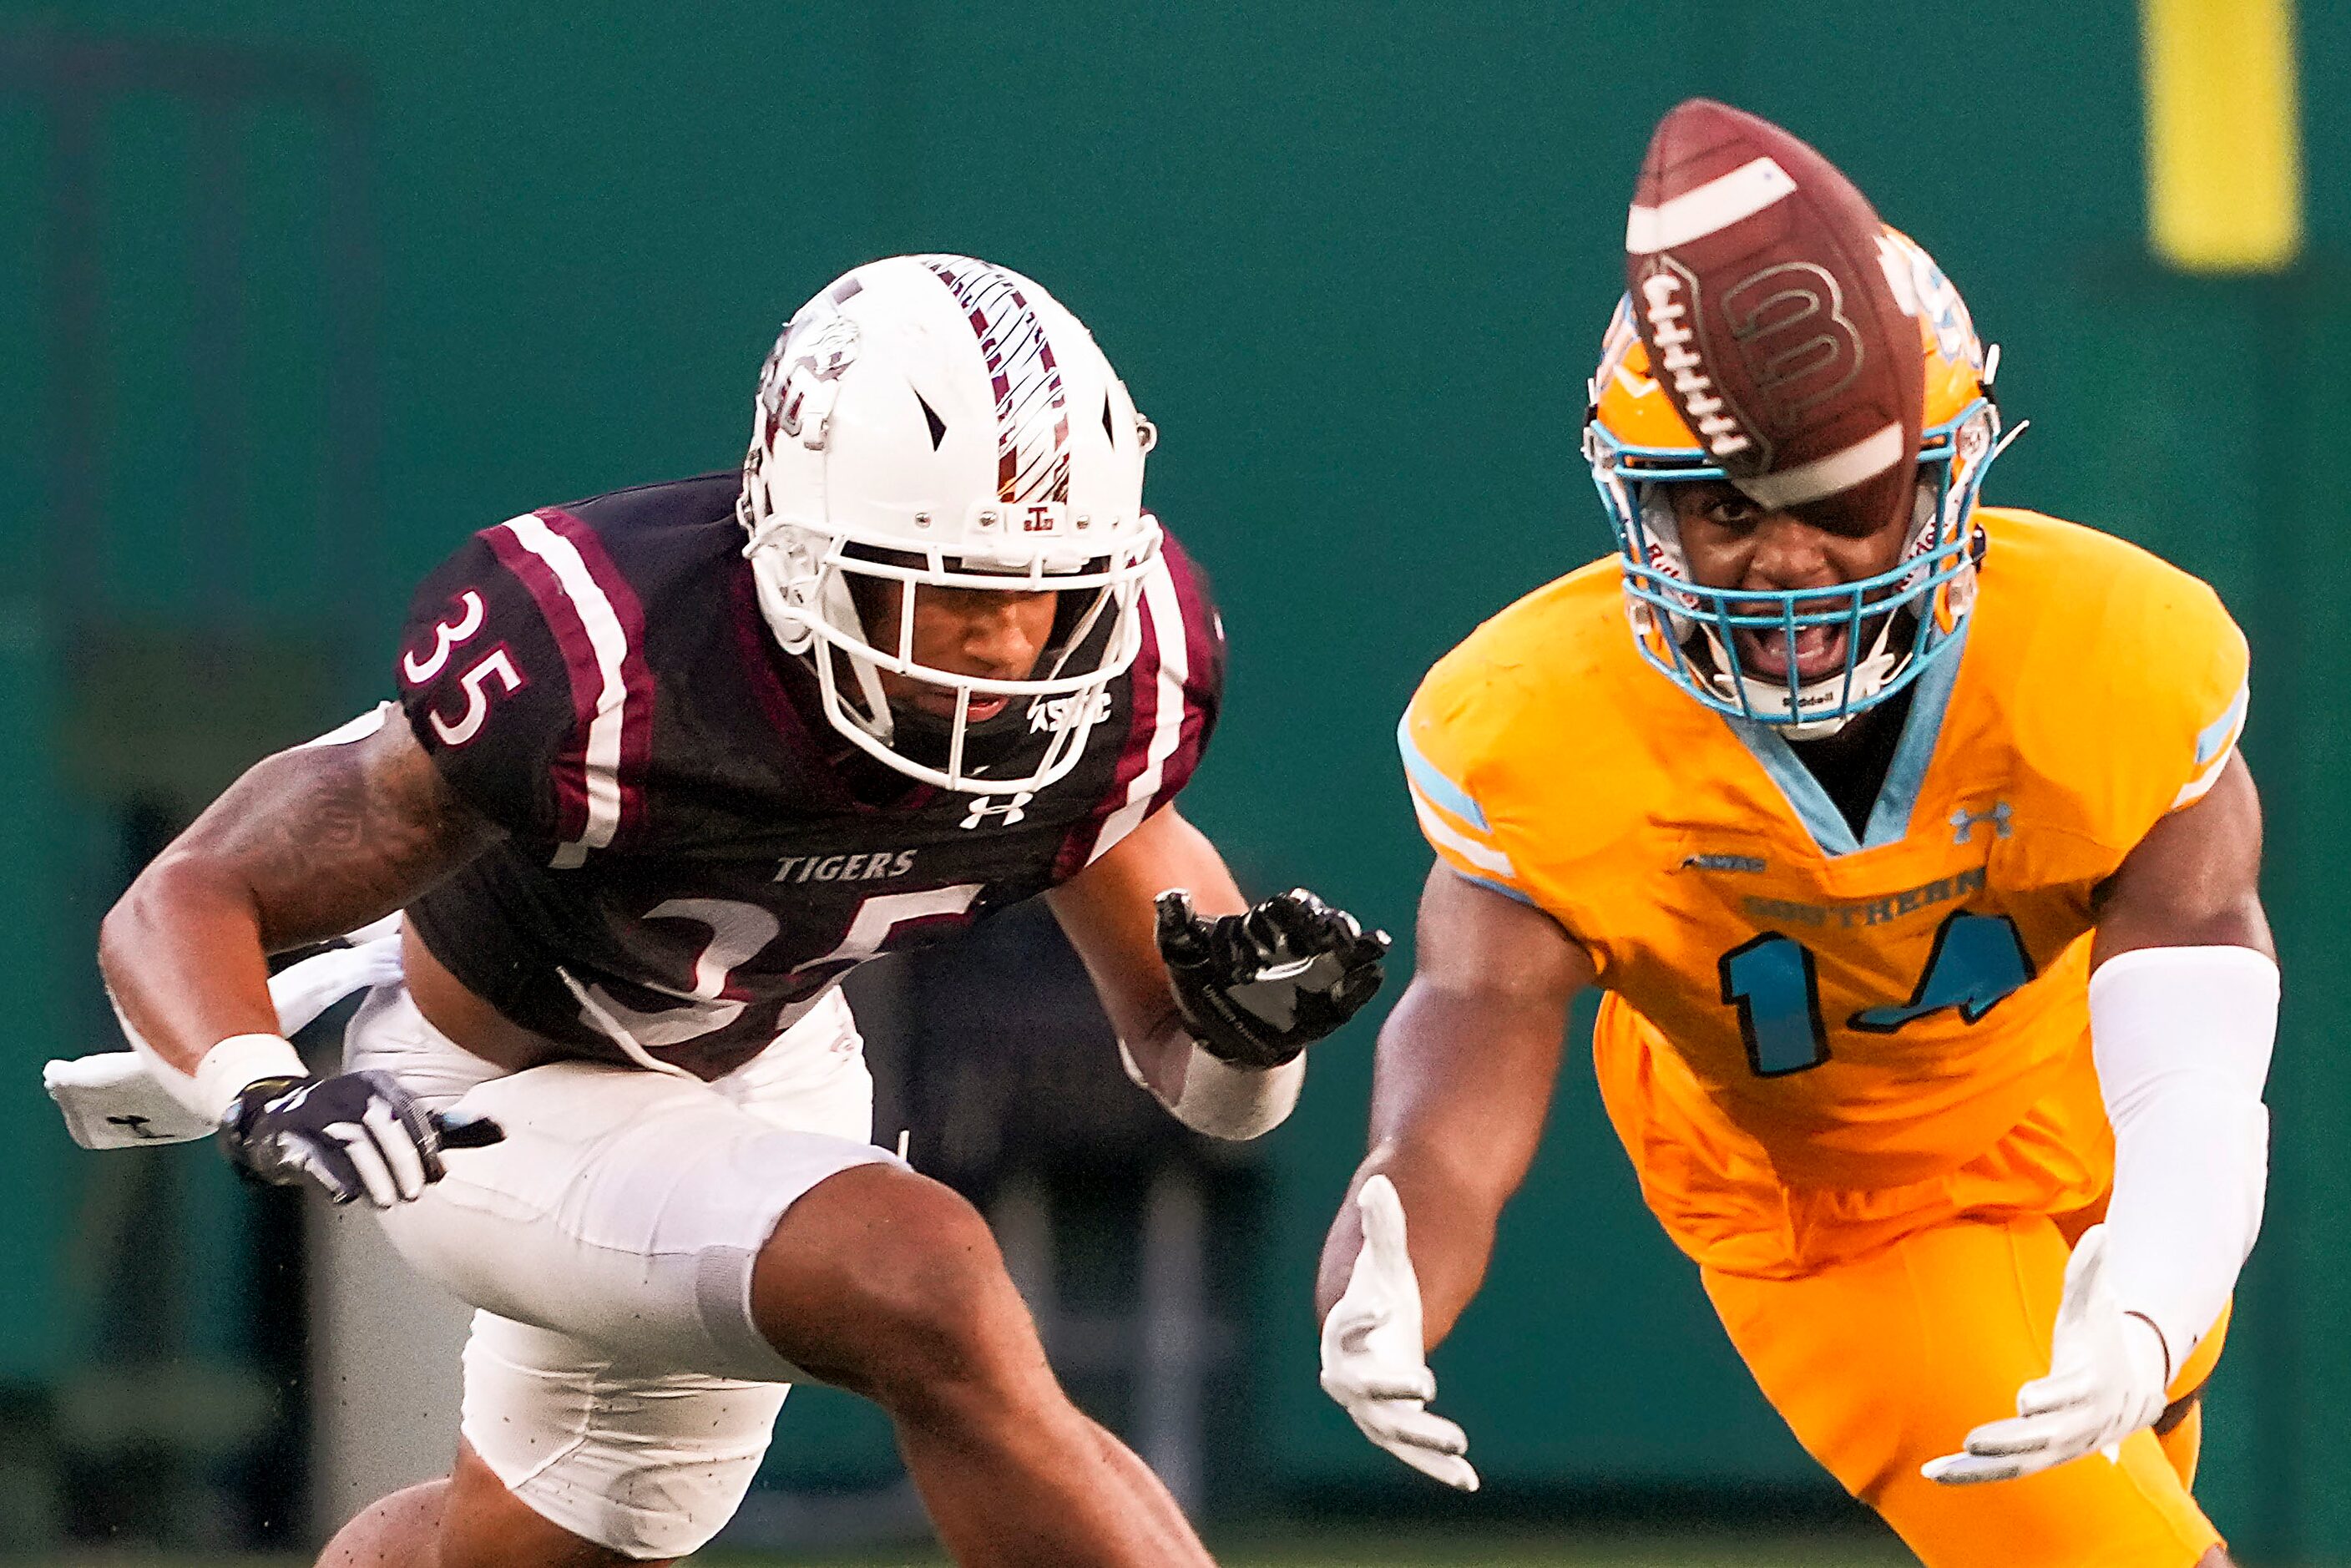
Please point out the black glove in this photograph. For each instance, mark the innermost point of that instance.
(1258, 988)
(357, 1134)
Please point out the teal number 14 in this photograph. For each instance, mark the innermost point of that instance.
(1977, 960)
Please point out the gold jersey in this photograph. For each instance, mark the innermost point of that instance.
(1812, 1039)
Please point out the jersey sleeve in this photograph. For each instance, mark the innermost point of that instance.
(1444, 745)
(1178, 686)
(2163, 715)
(1186, 606)
(484, 682)
(2218, 694)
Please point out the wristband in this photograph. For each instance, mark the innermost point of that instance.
(1224, 1099)
(238, 1060)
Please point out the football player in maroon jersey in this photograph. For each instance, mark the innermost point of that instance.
(666, 765)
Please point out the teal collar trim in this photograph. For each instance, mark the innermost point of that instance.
(1889, 819)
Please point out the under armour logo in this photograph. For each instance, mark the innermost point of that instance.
(1963, 821)
(137, 1126)
(1012, 810)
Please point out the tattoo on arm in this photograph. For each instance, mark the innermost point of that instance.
(331, 837)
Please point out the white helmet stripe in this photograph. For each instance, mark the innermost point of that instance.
(1032, 415)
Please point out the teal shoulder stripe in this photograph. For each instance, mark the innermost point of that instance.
(1425, 777)
(1504, 888)
(2214, 736)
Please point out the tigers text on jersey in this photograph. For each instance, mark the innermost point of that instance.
(694, 857)
(1807, 1034)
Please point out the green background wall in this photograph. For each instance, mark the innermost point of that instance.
(1354, 259)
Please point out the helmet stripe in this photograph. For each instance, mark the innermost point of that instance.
(1032, 417)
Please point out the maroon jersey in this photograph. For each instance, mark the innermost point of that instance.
(694, 856)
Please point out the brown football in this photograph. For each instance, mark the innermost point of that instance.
(1790, 347)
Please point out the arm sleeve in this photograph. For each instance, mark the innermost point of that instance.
(485, 685)
(2182, 1038)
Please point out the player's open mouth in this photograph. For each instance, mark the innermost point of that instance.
(1820, 653)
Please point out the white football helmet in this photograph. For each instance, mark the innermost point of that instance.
(933, 420)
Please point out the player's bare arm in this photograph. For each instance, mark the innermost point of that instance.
(1214, 1000)
(1107, 913)
(2193, 882)
(1464, 1076)
(309, 844)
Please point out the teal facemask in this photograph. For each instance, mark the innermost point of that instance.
(1896, 625)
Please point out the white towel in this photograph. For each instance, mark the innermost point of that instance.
(109, 1100)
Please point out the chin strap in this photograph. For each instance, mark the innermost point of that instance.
(1870, 673)
(842, 610)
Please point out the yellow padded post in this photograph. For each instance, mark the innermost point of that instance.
(2223, 134)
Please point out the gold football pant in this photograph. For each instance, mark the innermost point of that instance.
(1883, 1363)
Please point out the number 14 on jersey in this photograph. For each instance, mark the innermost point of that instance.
(1977, 960)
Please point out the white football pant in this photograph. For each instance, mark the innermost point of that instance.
(614, 1380)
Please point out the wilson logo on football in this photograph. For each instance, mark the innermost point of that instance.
(1798, 348)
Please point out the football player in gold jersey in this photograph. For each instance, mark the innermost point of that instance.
(1918, 868)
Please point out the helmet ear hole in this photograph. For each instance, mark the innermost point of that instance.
(938, 426)
(1108, 434)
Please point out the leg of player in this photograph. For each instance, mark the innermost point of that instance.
(1954, 1313)
(469, 1520)
(888, 1284)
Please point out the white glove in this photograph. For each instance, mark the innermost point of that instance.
(2106, 1377)
(1373, 1364)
